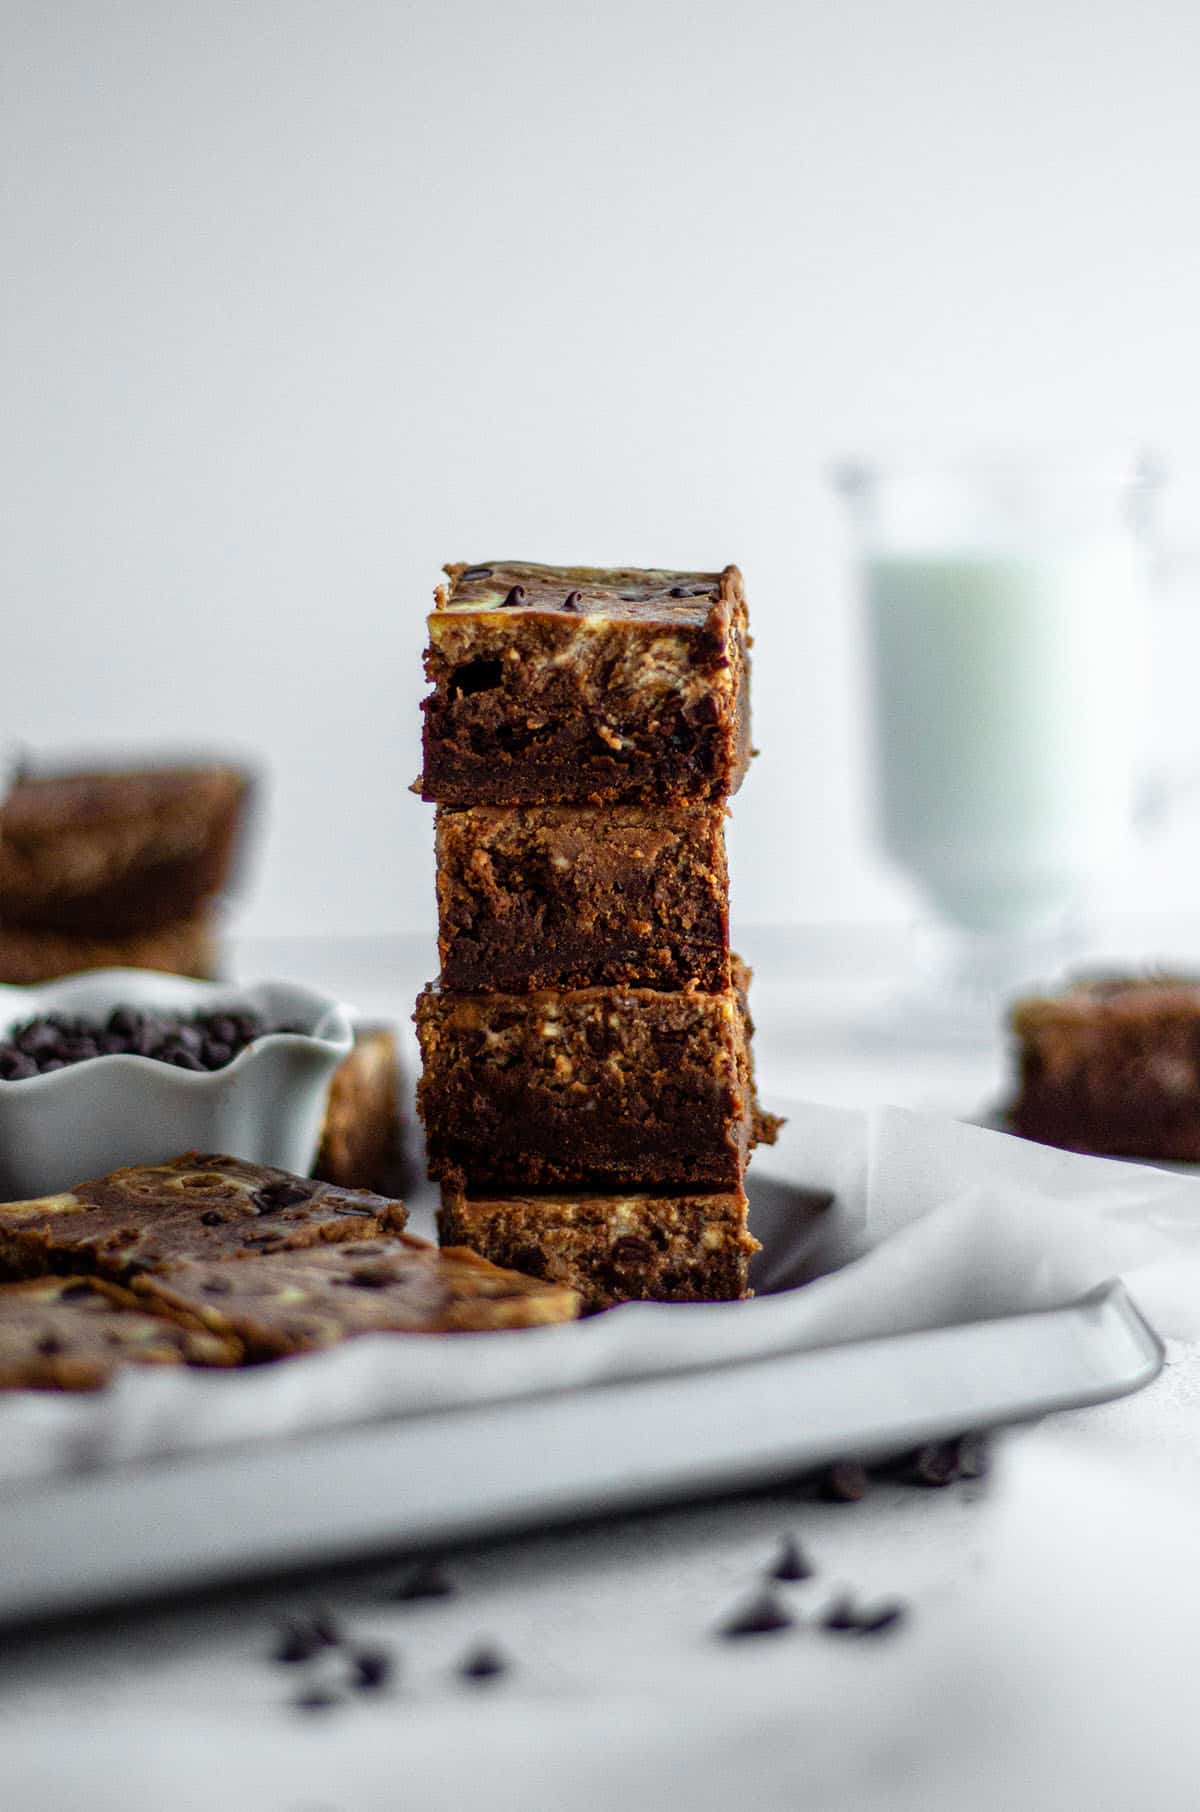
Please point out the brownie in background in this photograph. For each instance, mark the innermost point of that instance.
(360, 1144)
(116, 866)
(1112, 1066)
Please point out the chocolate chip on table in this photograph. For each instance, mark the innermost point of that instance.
(298, 1642)
(841, 1615)
(845, 1482)
(934, 1464)
(212, 1217)
(761, 1617)
(844, 1618)
(515, 596)
(317, 1698)
(792, 1563)
(72, 1291)
(372, 1668)
(573, 600)
(428, 1580)
(483, 1662)
(883, 1617)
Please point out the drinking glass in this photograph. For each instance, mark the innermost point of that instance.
(1006, 613)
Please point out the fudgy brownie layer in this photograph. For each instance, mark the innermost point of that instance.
(1112, 1067)
(200, 1205)
(298, 1302)
(654, 1248)
(185, 947)
(578, 684)
(608, 1087)
(73, 1333)
(559, 896)
(105, 855)
(360, 1135)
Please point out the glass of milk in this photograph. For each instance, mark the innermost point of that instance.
(1007, 639)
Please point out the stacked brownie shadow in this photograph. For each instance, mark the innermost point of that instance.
(587, 1088)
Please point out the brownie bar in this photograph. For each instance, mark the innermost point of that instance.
(199, 1206)
(612, 1087)
(185, 947)
(360, 1135)
(1112, 1067)
(559, 896)
(297, 1302)
(73, 1333)
(117, 854)
(655, 1248)
(556, 684)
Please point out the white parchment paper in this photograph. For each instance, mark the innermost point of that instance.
(872, 1223)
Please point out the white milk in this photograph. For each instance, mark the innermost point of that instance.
(1009, 694)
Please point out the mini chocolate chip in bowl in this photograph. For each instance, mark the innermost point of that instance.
(198, 1042)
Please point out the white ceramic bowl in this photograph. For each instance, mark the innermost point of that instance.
(92, 1117)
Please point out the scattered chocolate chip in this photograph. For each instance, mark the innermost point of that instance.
(326, 1629)
(845, 1482)
(216, 1286)
(792, 1564)
(372, 1668)
(761, 1617)
(428, 1580)
(573, 600)
(841, 1614)
(477, 572)
(934, 1464)
(49, 1345)
(298, 1641)
(884, 1617)
(212, 1217)
(70, 1292)
(317, 1698)
(843, 1617)
(974, 1456)
(515, 596)
(364, 1279)
(483, 1662)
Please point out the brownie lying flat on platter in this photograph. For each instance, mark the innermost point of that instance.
(297, 1302)
(360, 1135)
(1112, 1066)
(618, 1248)
(199, 1206)
(574, 896)
(184, 947)
(612, 1087)
(558, 684)
(73, 1333)
(117, 854)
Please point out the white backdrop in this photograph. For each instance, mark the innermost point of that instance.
(302, 297)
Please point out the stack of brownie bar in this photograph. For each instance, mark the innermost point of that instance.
(587, 1090)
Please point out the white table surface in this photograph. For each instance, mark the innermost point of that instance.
(1046, 1660)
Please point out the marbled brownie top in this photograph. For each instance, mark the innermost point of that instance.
(608, 593)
